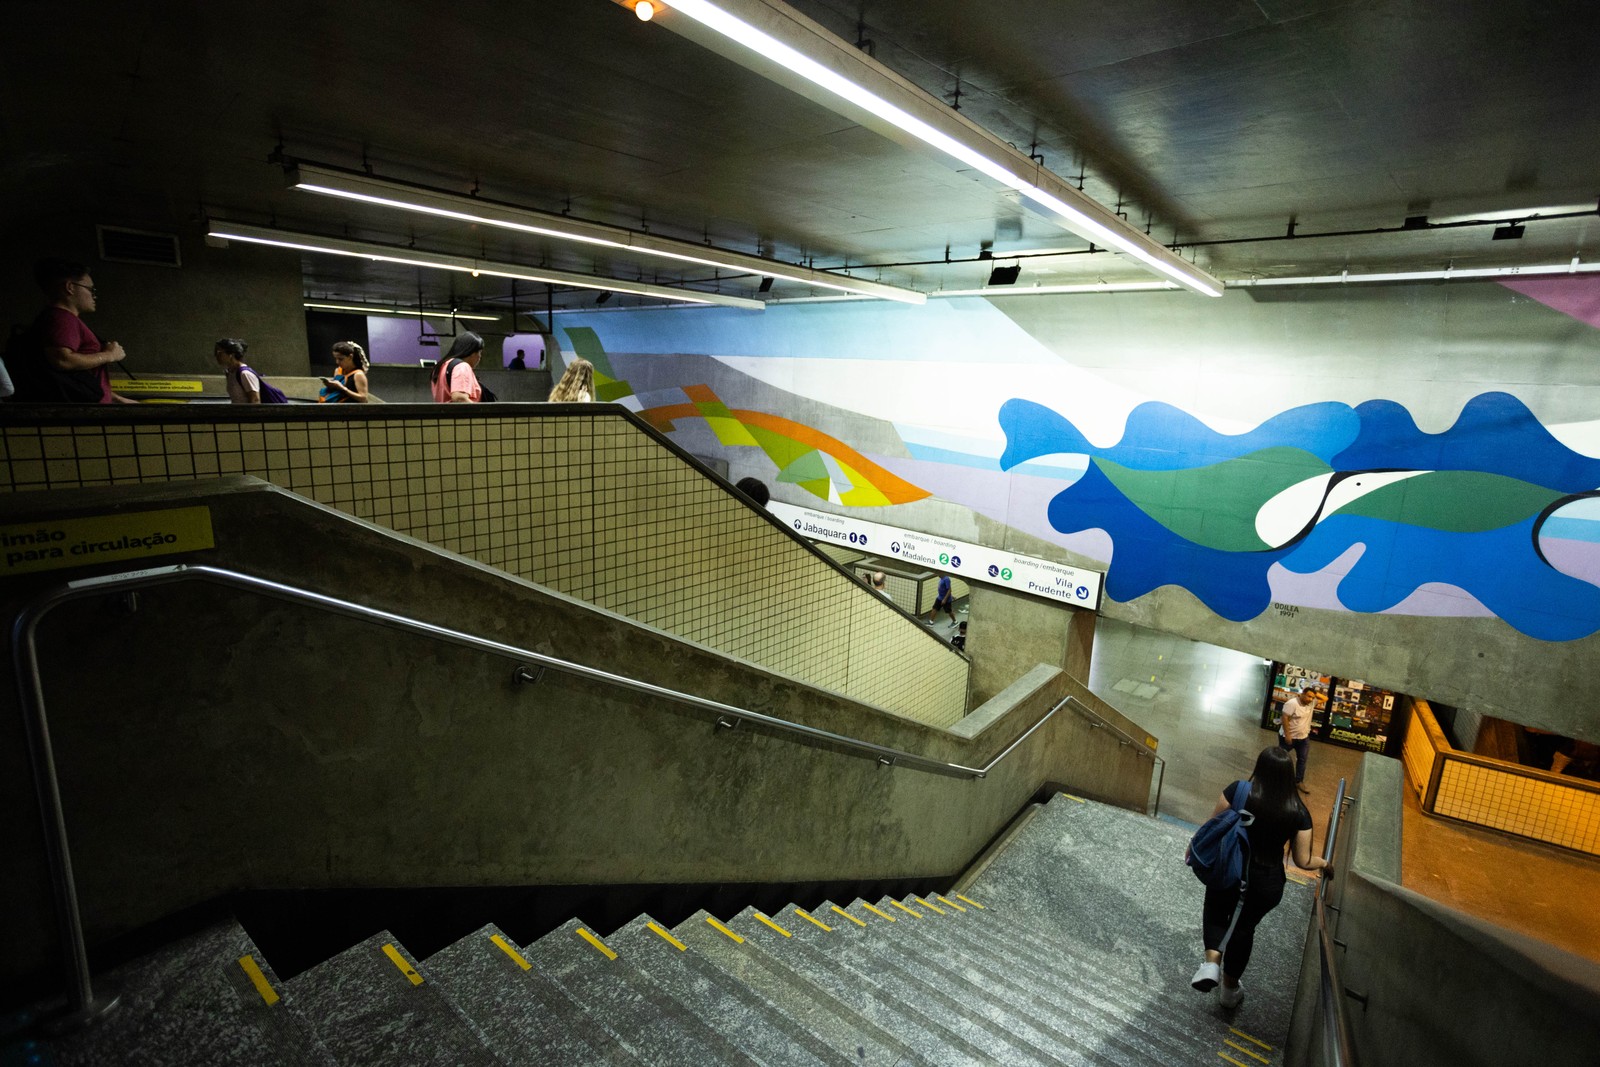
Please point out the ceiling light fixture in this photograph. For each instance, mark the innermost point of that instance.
(381, 253)
(812, 59)
(403, 196)
(1576, 266)
(645, 10)
(372, 309)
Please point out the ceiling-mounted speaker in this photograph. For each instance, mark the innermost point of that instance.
(765, 286)
(1005, 275)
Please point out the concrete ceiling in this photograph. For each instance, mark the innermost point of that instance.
(1209, 120)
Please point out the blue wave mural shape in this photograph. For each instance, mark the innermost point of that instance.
(1185, 505)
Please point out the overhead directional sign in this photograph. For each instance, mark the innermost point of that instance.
(976, 563)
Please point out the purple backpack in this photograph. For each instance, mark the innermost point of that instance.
(270, 394)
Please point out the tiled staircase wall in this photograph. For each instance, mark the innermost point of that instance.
(585, 500)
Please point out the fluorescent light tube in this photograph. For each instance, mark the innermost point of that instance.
(1448, 274)
(876, 96)
(338, 246)
(372, 310)
(400, 196)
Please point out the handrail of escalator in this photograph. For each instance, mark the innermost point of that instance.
(1337, 1050)
(81, 1003)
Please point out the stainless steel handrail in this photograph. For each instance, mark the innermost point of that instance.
(81, 1002)
(1337, 1049)
(1100, 722)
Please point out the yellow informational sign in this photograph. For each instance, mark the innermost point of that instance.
(153, 386)
(56, 544)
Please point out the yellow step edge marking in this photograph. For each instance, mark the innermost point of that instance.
(259, 980)
(1080, 800)
(1240, 1048)
(603, 948)
(877, 912)
(925, 904)
(847, 915)
(505, 946)
(1300, 879)
(806, 915)
(1231, 1060)
(941, 898)
(400, 962)
(969, 900)
(655, 928)
(718, 926)
(908, 911)
(763, 919)
(1249, 1037)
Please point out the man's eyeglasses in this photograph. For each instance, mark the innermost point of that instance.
(80, 285)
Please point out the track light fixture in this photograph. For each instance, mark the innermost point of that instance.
(421, 313)
(777, 42)
(403, 196)
(411, 257)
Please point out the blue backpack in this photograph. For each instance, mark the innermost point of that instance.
(1219, 852)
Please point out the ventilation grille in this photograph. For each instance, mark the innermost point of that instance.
(139, 246)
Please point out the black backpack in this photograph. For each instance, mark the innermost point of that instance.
(1219, 852)
(37, 382)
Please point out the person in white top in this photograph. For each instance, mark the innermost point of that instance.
(1294, 730)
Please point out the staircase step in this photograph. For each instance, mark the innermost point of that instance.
(373, 1003)
(835, 1023)
(644, 1020)
(1175, 1010)
(1115, 1030)
(843, 948)
(1113, 883)
(739, 1013)
(874, 949)
(927, 1038)
(947, 968)
(519, 1013)
(193, 1001)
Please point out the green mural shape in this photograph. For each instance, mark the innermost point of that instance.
(806, 468)
(1455, 501)
(1216, 505)
(586, 343)
(780, 449)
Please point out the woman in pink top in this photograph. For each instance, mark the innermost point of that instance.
(455, 379)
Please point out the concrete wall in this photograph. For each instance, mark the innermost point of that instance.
(168, 318)
(224, 741)
(924, 391)
(1439, 987)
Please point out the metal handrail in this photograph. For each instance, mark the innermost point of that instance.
(1337, 1049)
(1100, 722)
(81, 1002)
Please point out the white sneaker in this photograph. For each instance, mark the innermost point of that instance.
(1231, 998)
(1207, 977)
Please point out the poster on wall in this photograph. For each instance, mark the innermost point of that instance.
(1349, 712)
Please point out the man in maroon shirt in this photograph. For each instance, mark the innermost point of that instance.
(65, 362)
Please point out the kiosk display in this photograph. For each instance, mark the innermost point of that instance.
(1348, 712)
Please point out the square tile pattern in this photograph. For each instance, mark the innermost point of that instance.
(589, 506)
(1501, 799)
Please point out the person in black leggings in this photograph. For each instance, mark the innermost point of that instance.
(1282, 823)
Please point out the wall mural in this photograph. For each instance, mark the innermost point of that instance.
(1321, 504)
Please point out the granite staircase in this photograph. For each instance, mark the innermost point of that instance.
(1074, 946)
